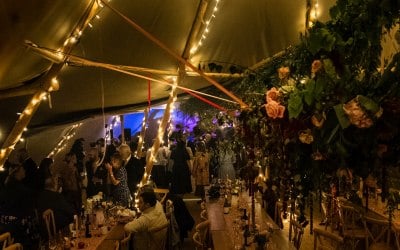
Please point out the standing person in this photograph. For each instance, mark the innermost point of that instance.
(201, 169)
(30, 167)
(119, 179)
(159, 171)
(44, 172)
(181, 182)
(151, 218)
(134, 167)
(71, 182)
(227, 159)
(96, 173)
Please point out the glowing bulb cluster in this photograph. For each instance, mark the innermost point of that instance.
(206, 29)
(314, 13)
(64, 140)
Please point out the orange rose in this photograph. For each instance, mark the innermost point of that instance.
(272, 95)
(306, 136)
(274, 109)
(316, 66)
(283, 72)
(318, 121)
(317, 156)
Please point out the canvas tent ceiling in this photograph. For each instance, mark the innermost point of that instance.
(242, 34)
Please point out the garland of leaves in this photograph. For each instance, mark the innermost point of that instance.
(327, 105)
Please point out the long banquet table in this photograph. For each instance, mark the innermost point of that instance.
(222, 226)
(100, 241)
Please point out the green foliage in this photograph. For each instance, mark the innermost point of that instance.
(348, 47)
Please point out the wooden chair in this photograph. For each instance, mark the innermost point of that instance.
(162, 193)
(396, 232)
(48, 217)
(124, 244)
(324, 240)
(203, 215)
(116, 245)
(197, 241)
(203, 205)
(6, 239)
(203, 228)
(379, 232)
(297, 234)
(349, 229)
(15, 246)
(169, 208)
(158, 236)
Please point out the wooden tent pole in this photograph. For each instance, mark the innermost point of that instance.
(160, 135)
(267, 60)
(139, 150)
(175, 55)
(181, 74)
(48, 83)
(119, 69)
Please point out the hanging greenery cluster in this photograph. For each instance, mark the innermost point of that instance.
(327, 103)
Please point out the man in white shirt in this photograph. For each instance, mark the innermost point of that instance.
(150, 228)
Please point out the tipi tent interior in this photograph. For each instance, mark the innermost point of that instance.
(112, 57)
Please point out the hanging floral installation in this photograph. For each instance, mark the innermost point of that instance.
(327, 104)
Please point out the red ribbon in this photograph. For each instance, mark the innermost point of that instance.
(205, 100)
(149, 93)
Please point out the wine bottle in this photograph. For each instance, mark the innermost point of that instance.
(87, 227)
(398, 201)
(226, 205)
(244, 218)
(246, 234)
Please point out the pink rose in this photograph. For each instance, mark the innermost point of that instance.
(272, 95)
(356, 114)
(316, 66)
(283, 72)
(274, 109)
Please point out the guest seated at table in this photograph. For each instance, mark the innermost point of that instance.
(182, 215)
(150, 219)
(119, 179)
(17, 214)
(50, 198)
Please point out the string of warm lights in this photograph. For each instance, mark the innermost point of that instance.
(313, 13)
(139, 149)
(159, 138)
(23, 120)
(206, 30)
(50, 84)
(63, 142)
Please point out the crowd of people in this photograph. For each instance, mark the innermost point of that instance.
(28, 189)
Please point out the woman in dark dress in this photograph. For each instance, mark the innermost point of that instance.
(119, 179)
(181, 182)
(44, 172)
